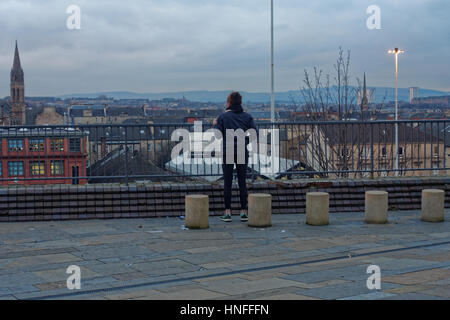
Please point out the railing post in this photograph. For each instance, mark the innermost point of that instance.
(445, 145)
(126, 156)
(371, 151)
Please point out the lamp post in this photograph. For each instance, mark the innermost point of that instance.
(396, 52)
(272, 89)
(272, 92)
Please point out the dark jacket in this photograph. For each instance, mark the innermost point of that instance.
(234, 118)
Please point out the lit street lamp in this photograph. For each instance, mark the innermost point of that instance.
(396, 51)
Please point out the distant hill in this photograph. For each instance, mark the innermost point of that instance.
(262, 97)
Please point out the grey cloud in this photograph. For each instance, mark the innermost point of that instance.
(162, 45)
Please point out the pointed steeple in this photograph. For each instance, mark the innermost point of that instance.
(365, 88)
(16, 64)
(364, 99)
(17, 96)
(17, 71)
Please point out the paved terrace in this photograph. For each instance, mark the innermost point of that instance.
(158, 259)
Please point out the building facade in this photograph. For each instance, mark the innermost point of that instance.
(42, 157)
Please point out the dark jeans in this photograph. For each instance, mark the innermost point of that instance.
(228, 181)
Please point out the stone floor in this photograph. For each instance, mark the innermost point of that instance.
(159, 259)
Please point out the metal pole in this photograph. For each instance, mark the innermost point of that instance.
(272, 94)
(396, 114)
(272, 90)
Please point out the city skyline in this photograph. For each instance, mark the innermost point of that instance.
(162, 48)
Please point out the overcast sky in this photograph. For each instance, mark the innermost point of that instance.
(181, 45)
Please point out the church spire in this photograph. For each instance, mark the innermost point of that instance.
(17, 87)
(365, 88)
(16, 64)
(17, 71)
(364, 99)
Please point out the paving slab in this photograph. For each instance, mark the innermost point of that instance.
(156, 258)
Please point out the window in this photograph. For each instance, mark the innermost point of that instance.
(36, 144)
(15, 168)
(383, 152)
(345, 152)
(367, 153)
(75, 145)
(57, 145)
(436, 151)
(436, 169)
(400, 151)
(383, 173)
(15, 145)
(1, 169)
(37, 168)
(57, 168)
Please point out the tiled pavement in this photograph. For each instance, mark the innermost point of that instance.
(158, 258)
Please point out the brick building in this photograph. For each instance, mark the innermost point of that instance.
(42, 156)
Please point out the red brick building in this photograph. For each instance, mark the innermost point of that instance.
(42, 156)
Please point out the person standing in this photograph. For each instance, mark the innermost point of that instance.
(234, 118)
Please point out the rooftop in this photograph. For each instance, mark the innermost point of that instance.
(18, 132)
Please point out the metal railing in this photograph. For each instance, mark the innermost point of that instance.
(80, 154)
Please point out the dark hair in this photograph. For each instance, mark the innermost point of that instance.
(235, 99)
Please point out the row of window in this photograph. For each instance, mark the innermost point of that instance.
(56, 144)
(37, 168)
(401, 150)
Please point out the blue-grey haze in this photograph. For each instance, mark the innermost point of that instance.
(381, 94)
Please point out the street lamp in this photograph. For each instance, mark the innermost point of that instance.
(272, 92)
(272, 89)
(396, 52)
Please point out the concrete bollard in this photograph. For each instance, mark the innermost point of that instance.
(377, 207)
(433, 205)
(259, 210)
(317, 208)
(197, 211)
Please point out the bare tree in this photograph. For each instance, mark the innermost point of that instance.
(336, 154)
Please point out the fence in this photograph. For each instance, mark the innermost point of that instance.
(80, 154)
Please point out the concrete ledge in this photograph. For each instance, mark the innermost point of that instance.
(110, 201)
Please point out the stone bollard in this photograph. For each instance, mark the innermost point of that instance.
(317, 208)
(433, 205)
(377, 207)
(197, 211)
(259, 210)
